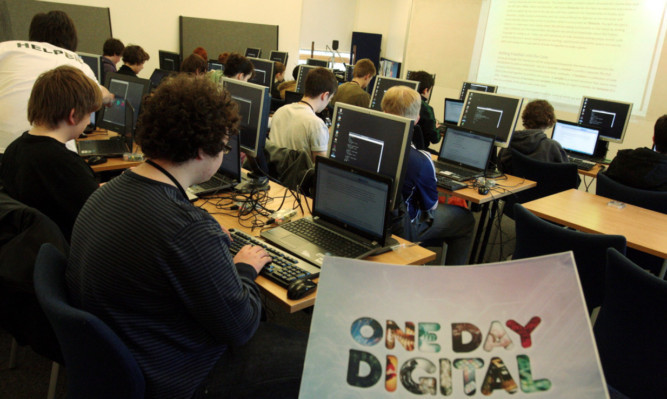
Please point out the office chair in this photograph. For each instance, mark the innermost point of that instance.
(536, 237)
(99, 365)
(630, 329)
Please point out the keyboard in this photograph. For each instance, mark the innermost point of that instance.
(449, 184)
(330, 241)
(216, 181)
(283, 269)
(581, 164)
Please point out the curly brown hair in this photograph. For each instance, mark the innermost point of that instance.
(186, 113)
(538, 114)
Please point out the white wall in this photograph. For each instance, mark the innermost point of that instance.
(324, 21)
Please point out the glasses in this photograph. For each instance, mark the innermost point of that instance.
(226, 149)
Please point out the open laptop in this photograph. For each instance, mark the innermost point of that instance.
(227, 176)
(350, 215)
(464, 153)
(578, 141)
(453, 109)
(119, 118)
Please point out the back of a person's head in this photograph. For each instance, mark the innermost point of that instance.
(278, 67)
(364, 67)
(237, 63)
(402, 101)
(222, 57)
(538, 114)
(200, 51)
(660, 134)
(135, 55)
(295, 71)
(320, 80)
(194, 64)
(113, 47)
(55, 27)
(425, 80)
(58, 91)
(184, 114)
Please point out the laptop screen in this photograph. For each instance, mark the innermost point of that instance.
(351, 197)
(453, 110)
(574, 137)
(466, 147)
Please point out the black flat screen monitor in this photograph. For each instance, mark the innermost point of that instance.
(382, 84)
(158, 76)
(215, 66)
(611, 117)
(476, 86)
(491, 113)
(349, 73)
(316, 62)
(576, 138)
(453, 110)
(118, 117)
(253, 52)
(254, 102)
(301, 77)
(169, 61)
(94, 61)
(372, 140)
(263, 74)
(131, 88)
(279, 56)
(390, 68)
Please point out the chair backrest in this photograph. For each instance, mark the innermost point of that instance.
(653, 200)
(537, 237)
(99, 365)
(630, 329)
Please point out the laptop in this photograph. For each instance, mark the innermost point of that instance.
(227, 176)
(464, 153)
(118, 117)
(158, 76)
(453, 109)
(350, 215)
(577, 140)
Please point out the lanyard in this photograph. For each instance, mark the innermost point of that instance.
(172, 178)
(311, 107)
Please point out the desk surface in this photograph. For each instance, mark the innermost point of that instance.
(593, 172)
(414, 255)
(644, 230)
(503, 188)
(111, 163)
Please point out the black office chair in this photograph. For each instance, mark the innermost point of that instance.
(551, 178)
(536, 237)
(630, 329)
(99, 365)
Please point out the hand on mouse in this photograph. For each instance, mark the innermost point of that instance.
(253, 255)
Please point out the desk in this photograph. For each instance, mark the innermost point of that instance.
(502, 189)
(644, 230)
(111, 163)
(414, 255)
(593, 172)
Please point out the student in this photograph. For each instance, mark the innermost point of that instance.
(52, 42)
(289, 85)
(159, 272)
(296, 126)
(238, 67)
(432, 223)
(194, 64)
(37, 169)
(642, 167)
(427, 122)
(111, 54)
(354, 92)
(536, 117)
(134, 58)
(278, 78)
(200, 51)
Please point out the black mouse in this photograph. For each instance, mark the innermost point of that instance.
(483, 190)
(96, 160)
(300, 288)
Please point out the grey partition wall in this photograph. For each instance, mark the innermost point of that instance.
(93, 24)
(219, 36)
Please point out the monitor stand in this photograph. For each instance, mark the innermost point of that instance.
(492, 171)
(252, 182)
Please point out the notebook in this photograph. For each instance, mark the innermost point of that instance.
(577, 140)
(453, 109)
(350, 215)
(118, 117)
(464, 153)
(227, 176)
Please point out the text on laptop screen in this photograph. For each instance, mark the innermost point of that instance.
(263, 74)
(131, 88)
(574, 137)
(353, 199)
(492, 114)
(301, 77)
(453, 109)
(372, 141)
(382, 84)
(253, 102)
(611, 117)
(466, 148)
(476, 86)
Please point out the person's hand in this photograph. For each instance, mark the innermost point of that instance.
(253, 255)
(107, 96)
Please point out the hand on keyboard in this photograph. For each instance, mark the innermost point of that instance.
(254, 256)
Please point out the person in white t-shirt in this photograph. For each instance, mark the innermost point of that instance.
(52, 42)
(296, 126)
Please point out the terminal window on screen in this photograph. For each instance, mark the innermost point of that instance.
(361, 151)
(488, 117)
(245, 108)
(600, 117)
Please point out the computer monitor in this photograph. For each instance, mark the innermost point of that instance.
(254, 102)
(611, 117)
(372, 140)
(575, 137)
(301, 77)
(169, 61)
(215, 66)
(279, 56)
(476, 86)
(263, 74)
(390, 68)
(94, 61)
(382, 84)
(118, 117)
(131, 88)
(491, 113)
(158, 76)
(349, 73)
(317, 62)
(453, 109)
(253, 52)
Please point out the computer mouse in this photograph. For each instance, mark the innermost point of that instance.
(483, 190)
(96, 160)
(300, 288)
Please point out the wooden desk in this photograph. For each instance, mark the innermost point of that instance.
(414, 255)
(111, 163)
(593, 172)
